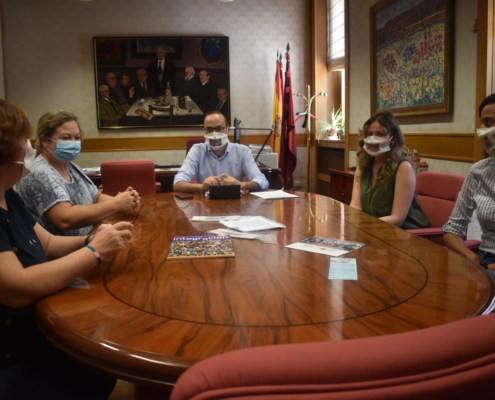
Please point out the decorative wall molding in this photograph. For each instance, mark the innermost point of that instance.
(162, 143)
(442, 146)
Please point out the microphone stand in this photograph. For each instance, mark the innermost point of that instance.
(237, 139)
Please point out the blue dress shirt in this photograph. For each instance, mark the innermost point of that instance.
(237, 161)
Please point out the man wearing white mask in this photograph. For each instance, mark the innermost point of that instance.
(477, 193)
(385, 182)
(218, 162)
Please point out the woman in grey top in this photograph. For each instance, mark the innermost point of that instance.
(477, 193)
(57, 192)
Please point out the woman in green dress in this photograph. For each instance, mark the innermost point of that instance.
(385, 181)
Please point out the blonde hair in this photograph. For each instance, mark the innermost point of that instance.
(398, 149)
(50, 122)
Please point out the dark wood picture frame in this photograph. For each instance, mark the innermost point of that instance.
(119, 60)
(411, 53)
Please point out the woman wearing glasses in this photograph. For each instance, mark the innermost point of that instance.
(63, 199)
(218, 162)
(385, 182)
(33, 264)
(477, 193)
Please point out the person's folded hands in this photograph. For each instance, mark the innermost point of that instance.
(111, 239)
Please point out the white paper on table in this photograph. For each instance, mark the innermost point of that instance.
(312, 248)
(233, 234)
(214, 218)
(274, 194)
(343, 268)
(91, 170)
(251, 224)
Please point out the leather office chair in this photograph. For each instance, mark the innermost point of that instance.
(451, 361)
(118, 175)
(437, 193)
(192, 142)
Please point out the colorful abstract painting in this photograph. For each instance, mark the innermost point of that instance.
(411, 56)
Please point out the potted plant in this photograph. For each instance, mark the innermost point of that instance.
(334, 129)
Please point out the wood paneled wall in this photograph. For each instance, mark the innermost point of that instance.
(158, 143)
(442, 146)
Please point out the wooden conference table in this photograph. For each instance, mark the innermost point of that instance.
(146, 319)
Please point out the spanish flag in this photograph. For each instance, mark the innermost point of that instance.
(277, 106)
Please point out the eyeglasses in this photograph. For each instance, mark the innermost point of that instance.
(488, 122)
(211, 129)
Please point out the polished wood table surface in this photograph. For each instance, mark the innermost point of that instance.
(146, 319)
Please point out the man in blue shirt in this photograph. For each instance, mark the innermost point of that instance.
(218, 162)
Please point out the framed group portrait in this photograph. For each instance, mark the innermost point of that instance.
(411, 54)
(160, 81)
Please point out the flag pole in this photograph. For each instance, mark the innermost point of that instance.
(286, 118)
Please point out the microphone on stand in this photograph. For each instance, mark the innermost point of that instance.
(237, 131)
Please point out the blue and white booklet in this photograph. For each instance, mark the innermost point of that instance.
(324, 245)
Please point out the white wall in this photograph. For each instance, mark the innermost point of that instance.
(49, 55)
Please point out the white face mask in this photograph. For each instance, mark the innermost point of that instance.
(384, 144)
(216, 140)
(487, 137)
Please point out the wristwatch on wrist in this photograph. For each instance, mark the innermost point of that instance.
(484, 264)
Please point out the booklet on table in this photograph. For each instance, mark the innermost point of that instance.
(324, 245)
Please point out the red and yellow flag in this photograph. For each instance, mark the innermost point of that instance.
(277, 107)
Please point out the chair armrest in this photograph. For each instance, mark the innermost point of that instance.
(158, 187)
(427, 231)
(472, 244)
(453, 360)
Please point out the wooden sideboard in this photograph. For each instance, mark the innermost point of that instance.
(331, 155)
(341, 185)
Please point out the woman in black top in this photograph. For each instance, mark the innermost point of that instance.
(35, 263)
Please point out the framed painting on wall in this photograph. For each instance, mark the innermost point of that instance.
(169, 81)
(411, 56)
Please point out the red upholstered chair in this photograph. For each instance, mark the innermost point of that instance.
(192, 142)
(118, 175)
(437, 193)
(451, 361)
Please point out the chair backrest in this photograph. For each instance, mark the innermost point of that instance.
(450, 361)
(437, 193)
(192, 142)
(118, 175)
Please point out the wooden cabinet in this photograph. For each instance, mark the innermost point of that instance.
(341, 185)
(331, 155)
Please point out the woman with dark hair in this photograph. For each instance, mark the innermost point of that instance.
(57, 192)
(33, 264)
(477, 193)
(385, 182)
